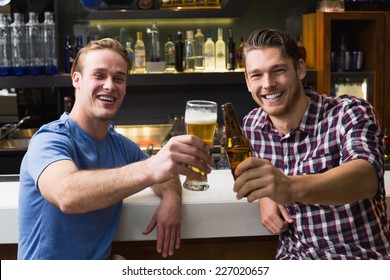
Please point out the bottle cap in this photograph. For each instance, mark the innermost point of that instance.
(190, 34)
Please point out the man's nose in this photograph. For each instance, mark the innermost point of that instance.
(268, 81)
(109, 84)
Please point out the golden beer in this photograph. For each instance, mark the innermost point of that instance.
(236, 156)
(204, 131)
(201, 121)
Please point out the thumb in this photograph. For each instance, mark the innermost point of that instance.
(152, 224)
(286, 216)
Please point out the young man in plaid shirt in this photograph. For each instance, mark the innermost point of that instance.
(317, 168)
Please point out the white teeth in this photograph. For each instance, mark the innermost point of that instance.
(272, 96)
(106, 98)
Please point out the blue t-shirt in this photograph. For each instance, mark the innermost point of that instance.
(44, 231)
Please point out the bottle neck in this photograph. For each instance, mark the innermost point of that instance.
(220, 34)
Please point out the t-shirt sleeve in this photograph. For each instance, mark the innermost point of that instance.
(46, 148)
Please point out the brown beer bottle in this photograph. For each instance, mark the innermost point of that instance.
(237, 145)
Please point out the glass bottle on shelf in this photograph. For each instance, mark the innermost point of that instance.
(130, 53)
(231, 52)
(50, 60)
(237, 146)
(220, 52)
(169, 50)
(342, 53)
(209, 53)
(18, 45)
(68, 54)
(34, 45)
(139, 55)
(5, 47)
(179, 53)
(189, 52)
(154, 42)
(199, 50)
(79, 44)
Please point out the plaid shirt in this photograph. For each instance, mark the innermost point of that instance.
(332, 131)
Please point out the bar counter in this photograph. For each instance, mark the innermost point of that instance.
(206, 215)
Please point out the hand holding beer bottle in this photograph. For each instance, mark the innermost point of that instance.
(200, 119)
(237, 145)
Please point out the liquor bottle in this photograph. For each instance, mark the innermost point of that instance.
(18, 45)
(5, 47)
(154, 42)
(50, 59)
(199, 50)
(342, 52)
(220, 52)
(231, 52)
(240, 54)
(237, 145)
(79, 45)
(179, 53)
(189, 52)
(68, 54)
(130, 53)
(34, 45)
(139, 54)
(169, 50)
(209, 53)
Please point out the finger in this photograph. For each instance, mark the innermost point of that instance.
(248, 163)
(172, 242)
(252, 190)
(166, 240)
(149, 228)
(286, 216)
(160, 241)
(178, 238)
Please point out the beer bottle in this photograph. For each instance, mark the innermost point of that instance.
(237, 145)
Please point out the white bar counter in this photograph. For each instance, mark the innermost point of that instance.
(207, 214)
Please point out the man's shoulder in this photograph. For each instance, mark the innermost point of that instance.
(345, 102)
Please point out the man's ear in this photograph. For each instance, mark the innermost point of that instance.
(301, 69)
(76, 79)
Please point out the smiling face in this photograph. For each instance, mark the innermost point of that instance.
(100, 87)
(275, 83)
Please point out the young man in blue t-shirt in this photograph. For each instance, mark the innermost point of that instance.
(78, 170)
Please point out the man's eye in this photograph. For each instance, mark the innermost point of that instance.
(255, 76)
(99, 76)
(280, 70)
(120, 79)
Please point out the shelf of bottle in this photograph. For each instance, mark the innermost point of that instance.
(351, 74)
(232, 9)
(148, 79)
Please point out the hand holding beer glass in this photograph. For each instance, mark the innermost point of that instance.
(200, 119)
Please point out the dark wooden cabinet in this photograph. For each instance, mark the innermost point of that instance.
(364, 31)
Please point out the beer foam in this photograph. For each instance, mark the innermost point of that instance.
(200, 117)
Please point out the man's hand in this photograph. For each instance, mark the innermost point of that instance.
(167, 219)
(274, 217)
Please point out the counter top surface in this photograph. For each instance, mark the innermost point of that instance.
(207, 214)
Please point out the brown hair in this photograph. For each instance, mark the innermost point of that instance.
(260, 39)
(106, 43)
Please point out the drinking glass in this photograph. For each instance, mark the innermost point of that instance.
(200, 119)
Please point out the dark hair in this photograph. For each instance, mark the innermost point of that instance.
(268, 38)
(106, 43)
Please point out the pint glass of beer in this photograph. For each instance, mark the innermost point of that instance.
(200, 119)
